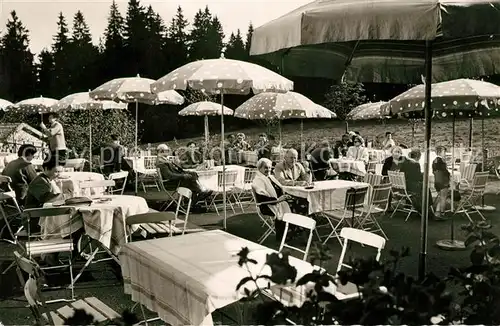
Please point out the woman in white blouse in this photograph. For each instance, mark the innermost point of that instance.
(358, 152)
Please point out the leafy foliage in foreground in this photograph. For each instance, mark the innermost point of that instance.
(469, 295)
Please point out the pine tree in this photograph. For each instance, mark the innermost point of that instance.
(45, 73)
(135, 37)
(248, 43)
(177, 41)
(154, 58)
(215, 38)
(235, 48)
(113, 45)
(19, 75)
(198, 38)
(84, 56)
(81, 31)
(61, 56)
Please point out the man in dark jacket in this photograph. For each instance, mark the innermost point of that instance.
(319, 160)
(414, 179)
(21, 171)
(112, 156)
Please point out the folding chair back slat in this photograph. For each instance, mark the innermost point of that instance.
(150, 162)
(185, 194)
(355, 198)
(97, 184)
(397, 179)
(362, 237)
(380, 195)
(467, 172)
(268, 221)
(122, 175)
(373, 179)
(249, 175)
(228, 177)
(303, 222)
(378, 169)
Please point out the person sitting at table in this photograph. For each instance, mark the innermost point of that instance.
(261, 142)
(191, 157)
(170, 171)
(21, 171)
(266, 189)
(240, 143)
(414, 178)
(392, 163)
(290, 172)
(441, 181)
(358, 152)
(388, 142)
(319, 160)
(266, 151)
(112, 156)
(342, 147)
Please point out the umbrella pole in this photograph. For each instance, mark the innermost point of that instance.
(136, 158)
(412, 133)
(471, 126)
(302, 145)
(207, 136)
(452, 244)
(483, 207)
(223, 158)
(425, 189)
(90, 141)
(279, 127)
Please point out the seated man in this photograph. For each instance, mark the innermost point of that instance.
(319, 160)
(192, 157)
(21, 171)
(266, 150)
(112, 156)
(341, 147)
(414, 179)
(267, 190)
(43, 188)
(290, 172)
(170, 171)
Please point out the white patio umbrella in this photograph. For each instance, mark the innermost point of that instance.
(4, 104)
(205, 109)
(40, 105)
(135, 90)
(367, 111)
(83, 101)
(281, 106)
(223, 76)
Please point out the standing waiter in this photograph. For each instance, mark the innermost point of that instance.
(55, 136)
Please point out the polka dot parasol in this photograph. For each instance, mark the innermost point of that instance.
(367, 111)
(4, 104)
(463, 97)
(291, 105)
(83, 101)
(204, 108)
(132, 89)
(214, 76)
(39, 105)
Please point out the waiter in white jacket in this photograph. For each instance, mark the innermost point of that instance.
(55, 137)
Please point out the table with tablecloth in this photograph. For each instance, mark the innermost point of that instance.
(325, 195)
(103, 220)
(209, 178)
(249, 157)
(186, 278)
(377, 155)
(348, 166)
(69, 183)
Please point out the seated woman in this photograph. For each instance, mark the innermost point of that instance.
(170, 171)
(240, 143)
(268, 191)
(358, 152)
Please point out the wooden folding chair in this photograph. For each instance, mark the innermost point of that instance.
(267, 221)
(244, 194)
(377, 206)
(122, 175)
(404, 199)
(472, 196)
(91, 305)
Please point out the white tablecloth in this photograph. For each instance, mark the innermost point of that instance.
(350, 166)
(69, 183)
(249, 157)
(185, 278)
(103, 221)
(326, 195)
(209, 178)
